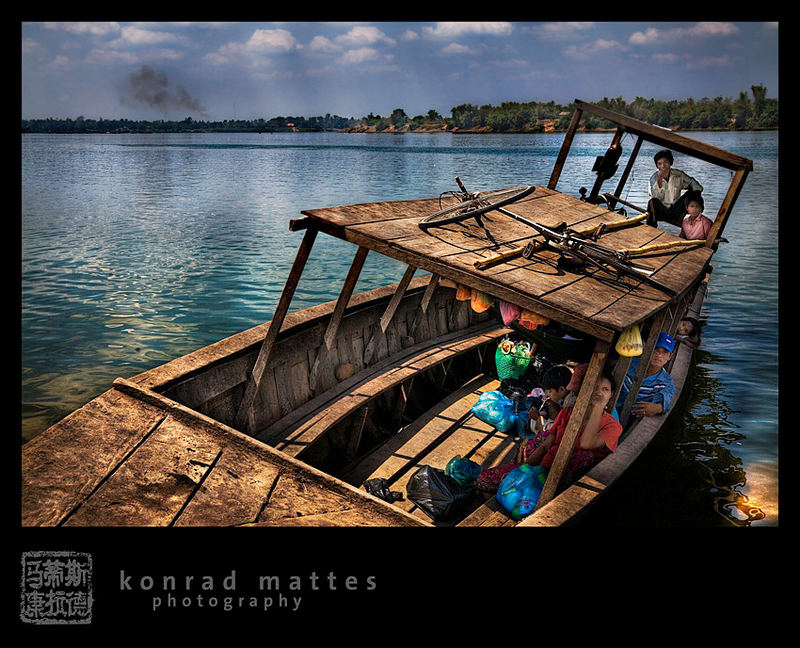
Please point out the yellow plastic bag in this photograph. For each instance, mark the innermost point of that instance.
(630, 342)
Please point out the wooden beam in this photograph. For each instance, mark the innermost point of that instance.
(388, 314)
(260, 365)
(419, 315)
(600, 179)
(576, 422)
(565, 146)
(726, 207)
(624, 178)
(669, 139)
(619, 376)
(656, 326)
(336, 318)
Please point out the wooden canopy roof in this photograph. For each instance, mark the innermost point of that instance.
(593, 302)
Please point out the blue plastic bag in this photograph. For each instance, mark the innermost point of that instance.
(464, 471)
(495, 409)
(520, 489)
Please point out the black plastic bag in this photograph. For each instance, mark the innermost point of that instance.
(440, 496)
(379, 487)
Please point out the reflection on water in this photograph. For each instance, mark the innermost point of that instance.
(138, 249)
(692, 475)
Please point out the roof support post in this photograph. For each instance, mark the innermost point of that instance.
(423, 306)
(576, 421)
(565, 146)
(656, 326)
(338, 312)
(388, 314)
(242, 421)
(726, 207)
(624, 178)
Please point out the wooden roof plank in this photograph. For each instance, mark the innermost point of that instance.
(588, 302)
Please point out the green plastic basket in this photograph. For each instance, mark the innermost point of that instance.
(510, 365)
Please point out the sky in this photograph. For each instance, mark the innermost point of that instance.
(250, 70)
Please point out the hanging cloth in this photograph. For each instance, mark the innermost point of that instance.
(509, 312)
(480, 301)
(531, 320)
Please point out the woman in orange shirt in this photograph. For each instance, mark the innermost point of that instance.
(598, 438)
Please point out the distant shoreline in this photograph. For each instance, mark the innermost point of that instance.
(359, 131)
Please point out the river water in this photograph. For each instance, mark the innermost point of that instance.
(137, 249)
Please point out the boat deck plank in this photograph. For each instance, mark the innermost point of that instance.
(155, 462)
(296, 438)
(441, 433)
(584, 300)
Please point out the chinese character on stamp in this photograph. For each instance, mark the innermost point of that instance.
(56, 587)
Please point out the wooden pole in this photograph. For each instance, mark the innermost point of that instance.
(626, 173)
(565, 146)
(254, 381)
(727, 206)
(338, 312)
(656, 326)
(423, 306)
(517, 252)
(617, 199)
(645, 249)
(576, 421)
(388, 314)
(600, 172)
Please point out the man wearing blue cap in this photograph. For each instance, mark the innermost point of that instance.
(655, 394)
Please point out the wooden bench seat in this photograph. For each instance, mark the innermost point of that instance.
(294, 433)
(441, 433)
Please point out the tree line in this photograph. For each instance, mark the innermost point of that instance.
(742, 113)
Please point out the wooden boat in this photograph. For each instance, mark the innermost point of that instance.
(284, 423)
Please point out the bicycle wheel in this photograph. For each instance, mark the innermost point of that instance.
(476, 205)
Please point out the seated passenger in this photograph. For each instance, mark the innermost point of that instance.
(655, 394)
(575, 385)
(695, 225)
(688, 331)
(665, 187)
(598, 438)
(554, 383)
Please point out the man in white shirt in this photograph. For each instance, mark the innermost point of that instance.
(665, 188)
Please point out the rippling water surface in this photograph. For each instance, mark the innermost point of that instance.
(137, 249)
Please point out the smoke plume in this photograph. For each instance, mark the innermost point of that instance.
(150, 88)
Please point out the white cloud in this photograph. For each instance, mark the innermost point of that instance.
(363, 35)
(709, 62)
(93, 28)
(323, 44)
(270, 41)
(456, 49)
(138, 36)
(110, 56)
(456, 29)
(665, 58)
(360, 55)
(409, 34)
(261, 43)
(59, 63)
(558, 30)
(653, 35)
(30, 46)
(595, 48)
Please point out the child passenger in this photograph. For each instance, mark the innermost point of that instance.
(555, 382)
(695, 224)
(688, 331)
